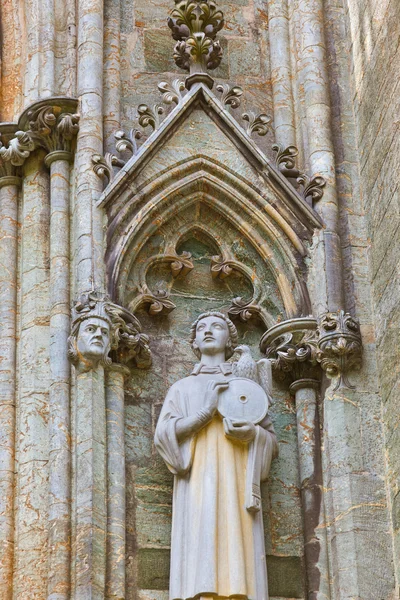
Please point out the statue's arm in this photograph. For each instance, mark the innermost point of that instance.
(188, 426)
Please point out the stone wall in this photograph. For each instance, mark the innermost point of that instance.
(374, 42)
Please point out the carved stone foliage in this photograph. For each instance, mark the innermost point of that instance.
(194, 26)
(7, 133)
(156, 303)
(103, 332)
(339, 345)
(50, 124)
(292, 347)
(299, 347)
(310, 188)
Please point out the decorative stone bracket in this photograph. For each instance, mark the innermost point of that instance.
(118, 340)
(299, 348)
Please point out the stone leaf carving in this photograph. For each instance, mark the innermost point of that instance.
(339, 345)
(244, 309)
(18, 150)
(312, 186)
(150, 116)
(292, 347)
(231, 96)
(259, 124)
(103, 332)
(172, 93)
(298, 346)
(127, 142)
(286, 160)
(103, 166)
(156, 303)
(52, 129)
(180, 264)
(220, 268)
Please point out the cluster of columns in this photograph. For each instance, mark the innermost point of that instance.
(301, 351)
(62, 487)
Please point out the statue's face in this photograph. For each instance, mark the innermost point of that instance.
(212, 335)
(93, 338)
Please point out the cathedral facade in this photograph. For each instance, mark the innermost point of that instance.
(165, 160)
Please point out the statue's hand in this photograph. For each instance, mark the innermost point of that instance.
(243, 431)
(211, 399)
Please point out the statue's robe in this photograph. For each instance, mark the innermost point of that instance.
(217, 545)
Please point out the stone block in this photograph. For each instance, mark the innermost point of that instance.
(244, 58)
(158, 50)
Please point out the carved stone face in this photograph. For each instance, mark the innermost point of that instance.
(93, 340)
(212, 335)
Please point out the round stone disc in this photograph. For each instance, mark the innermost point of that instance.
(243, 400)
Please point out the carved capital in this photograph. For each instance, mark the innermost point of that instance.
(299, 348)
(339, 345)
(293, 348)
(103, 332)
(51, 124)
(194, 25)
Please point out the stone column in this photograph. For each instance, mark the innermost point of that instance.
(305, 392)
(292, 346)
(98, 328)
(298, 349)
(9, 191)
(312, 77)
(88, 250)
(281, 73)
(59, 401)
(50, 127)
(115, 411)
(30, 563)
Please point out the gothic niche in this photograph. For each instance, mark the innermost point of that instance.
(180, 272)
(199, 219)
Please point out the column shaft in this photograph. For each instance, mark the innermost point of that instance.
(31, 559)
(8, 310)
(91, 485)
(88, 221)
(115, 579)
(315, 543)
(313, 77)
(59, 401)
(281, 75)
(112, 74)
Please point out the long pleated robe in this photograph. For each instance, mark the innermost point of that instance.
(217, 545)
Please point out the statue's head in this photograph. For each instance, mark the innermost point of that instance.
(211, 333)
(92, 333)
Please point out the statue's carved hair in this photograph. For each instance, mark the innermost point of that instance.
(233, 335)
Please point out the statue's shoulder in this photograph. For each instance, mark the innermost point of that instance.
(182, 384)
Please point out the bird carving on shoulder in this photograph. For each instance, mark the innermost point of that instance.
(247, 367)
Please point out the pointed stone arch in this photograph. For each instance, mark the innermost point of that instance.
(256, 215)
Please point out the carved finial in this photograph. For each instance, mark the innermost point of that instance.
(194, 25)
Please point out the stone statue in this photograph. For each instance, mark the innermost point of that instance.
(219, 460)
